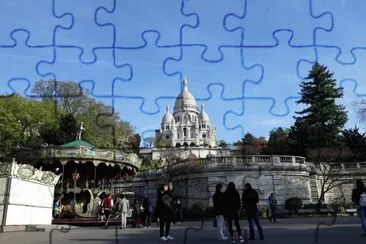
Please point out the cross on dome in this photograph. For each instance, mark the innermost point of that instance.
(185, 84)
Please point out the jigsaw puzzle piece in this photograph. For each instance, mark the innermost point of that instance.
(101, 74)
(24, 56)
(254, 118)
(262, 18)
(148, 61)
(349, 18)
(38, 20)
(217, 107)
(130, 110)
(282, 76)
(164, 17)
(210, 31)
(85, 32)
(201, 73)
(348, 75)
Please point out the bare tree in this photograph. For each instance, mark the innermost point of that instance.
(150, 141)
(332, 176)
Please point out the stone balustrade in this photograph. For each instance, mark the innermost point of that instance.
(237, 162)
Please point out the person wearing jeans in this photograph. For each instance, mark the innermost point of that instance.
(218, 209)
(250, 198)
(359, 199)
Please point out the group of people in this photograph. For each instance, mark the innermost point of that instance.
(141, 213)
(228, 205)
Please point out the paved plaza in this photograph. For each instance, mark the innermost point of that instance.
(293, 230)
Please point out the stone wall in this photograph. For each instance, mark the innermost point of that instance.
(195, 180)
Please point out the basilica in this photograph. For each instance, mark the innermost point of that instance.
(187, 126)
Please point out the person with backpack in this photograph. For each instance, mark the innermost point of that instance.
(107, 207)
(250, 198)
(164, 212)
(231, 210)
(218, 199)
(359, 199)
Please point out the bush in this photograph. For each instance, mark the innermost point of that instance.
(293, 204)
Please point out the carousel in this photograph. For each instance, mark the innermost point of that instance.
(87, 175)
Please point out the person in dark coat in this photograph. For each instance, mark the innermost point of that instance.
(164, 212)
(272, 202)
(250, 198)
(218, 199)
(146, 213)
(359, 200)
(231, 210)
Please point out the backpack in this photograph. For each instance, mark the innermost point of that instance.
(363, 199)
(166, 201)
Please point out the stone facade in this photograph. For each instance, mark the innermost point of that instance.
(187, 126)
(286, 176)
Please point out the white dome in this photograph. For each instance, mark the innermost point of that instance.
(168, 117)
(185, 97)
(204, 115)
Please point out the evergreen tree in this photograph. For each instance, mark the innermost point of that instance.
(320, 124)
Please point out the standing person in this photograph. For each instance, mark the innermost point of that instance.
(164, 212)
(123, 209)
(136, 214)
(147, 213)
(231, 212)
(179, 211)
(359, 199)
(272, 202)
(107, 207)
(250, 198)
(218, 199)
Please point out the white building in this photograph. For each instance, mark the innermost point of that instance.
(187, 126)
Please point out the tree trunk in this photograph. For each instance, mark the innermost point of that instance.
(319, 203)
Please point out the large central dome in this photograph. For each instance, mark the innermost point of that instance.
(185, 100)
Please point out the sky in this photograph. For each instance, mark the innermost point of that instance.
(243, 59)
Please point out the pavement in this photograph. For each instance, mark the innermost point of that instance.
(291, 230)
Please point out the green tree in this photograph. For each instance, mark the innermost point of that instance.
(21, 120)
(278, 142)
(69, 96)
(223, 144)
(321, 122)
(250, 145)
(356, 142)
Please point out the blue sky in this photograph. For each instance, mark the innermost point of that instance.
(243, 59)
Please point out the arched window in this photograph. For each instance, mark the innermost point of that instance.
(184, 132)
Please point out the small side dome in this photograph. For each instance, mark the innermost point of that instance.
(168, 117)
(204, 115)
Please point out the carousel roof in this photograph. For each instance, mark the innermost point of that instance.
(79, 143)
